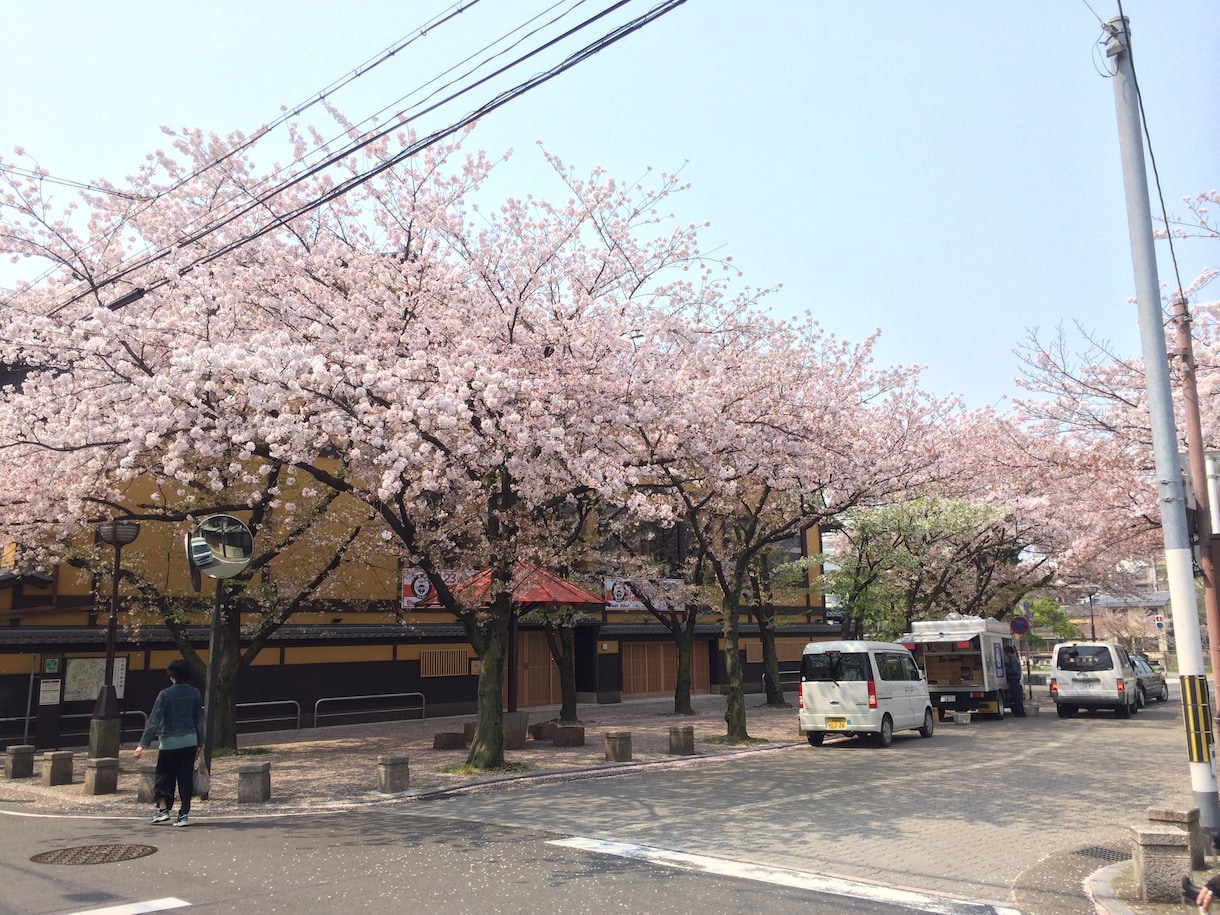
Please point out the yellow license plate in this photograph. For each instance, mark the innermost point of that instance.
(836, 724)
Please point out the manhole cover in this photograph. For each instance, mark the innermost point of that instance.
(1106, 854)
(93, 854)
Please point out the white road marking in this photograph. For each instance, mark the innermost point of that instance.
(783, 876)
(137, 908)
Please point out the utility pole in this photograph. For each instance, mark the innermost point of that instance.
(1179, 566)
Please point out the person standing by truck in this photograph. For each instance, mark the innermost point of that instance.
(1012, 673)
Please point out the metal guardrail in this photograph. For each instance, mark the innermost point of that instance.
(317, 713)
(265, 719)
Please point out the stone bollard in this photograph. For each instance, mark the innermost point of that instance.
(20, 762)
(1188, 821)
(449, 740)
(254, 783)
(570, 735)
(57, 767)
(102, 775)
(1160, 856)
(468, 731)
(393, 774)
(618, 746)
(146, 793)
(961, 717)
(682, 740)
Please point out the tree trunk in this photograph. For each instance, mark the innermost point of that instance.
(487, 746)
(567, 675)
(735, 705)
(684, 638)
(771, 681)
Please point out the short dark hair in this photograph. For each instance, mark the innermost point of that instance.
(179, 669)
(1010, 649)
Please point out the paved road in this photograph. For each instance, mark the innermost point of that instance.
(1011, 813)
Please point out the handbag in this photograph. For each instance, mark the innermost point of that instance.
(202, 782)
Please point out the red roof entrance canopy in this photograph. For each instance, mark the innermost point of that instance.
(532, 586)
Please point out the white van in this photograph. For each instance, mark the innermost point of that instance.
(1093, 675)
(855, 688)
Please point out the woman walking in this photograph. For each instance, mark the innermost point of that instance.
(177, 723)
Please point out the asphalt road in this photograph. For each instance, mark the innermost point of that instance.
(976, 819)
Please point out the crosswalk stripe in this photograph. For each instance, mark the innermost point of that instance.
(137, 908)
(783, 876)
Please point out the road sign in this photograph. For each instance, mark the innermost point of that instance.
(1019, 625)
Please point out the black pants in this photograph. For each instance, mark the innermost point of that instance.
(175, 767)
(1016, 698)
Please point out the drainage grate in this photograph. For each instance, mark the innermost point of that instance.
(1106, 854)
(93, 854)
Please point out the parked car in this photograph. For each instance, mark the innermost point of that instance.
(851, 687)
(1093, 675)
(1151, 681)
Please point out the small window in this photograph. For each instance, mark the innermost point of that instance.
(890, 667)
(1085, 658)
(835, 666)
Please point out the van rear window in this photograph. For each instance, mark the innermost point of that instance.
(1085, 657)
(839, 666)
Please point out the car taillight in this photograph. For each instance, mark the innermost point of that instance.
(1054, 685)
(872, 694)
(1121, 685)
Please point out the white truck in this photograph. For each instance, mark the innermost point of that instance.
(963, 661)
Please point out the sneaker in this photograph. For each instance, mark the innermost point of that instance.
(181, 821)
(161, 816)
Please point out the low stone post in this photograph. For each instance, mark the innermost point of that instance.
(1160, 857)
(57, 767)
(570, 735)
(618, 746)
(682, 740)
(146, 791)
(393, 774)
(449, 740)
(20, 762)
(961, 717)
(1188, 821)
(102, 775)
(254, 783)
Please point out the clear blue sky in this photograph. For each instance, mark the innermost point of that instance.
(945, 171)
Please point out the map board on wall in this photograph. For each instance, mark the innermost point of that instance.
(84, 677)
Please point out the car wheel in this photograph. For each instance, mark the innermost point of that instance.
(940, 713)
(999, 707)
(928, 726)
(816, 738)
(885, 736)
(1065, 711)
(1123, 711)
(1164, 696)
(1141, 699)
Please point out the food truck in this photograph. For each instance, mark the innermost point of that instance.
(963, 661)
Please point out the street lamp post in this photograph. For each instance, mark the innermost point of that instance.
(105, 729)
(1092, 621)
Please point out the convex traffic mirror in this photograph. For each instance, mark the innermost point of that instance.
(221, 546)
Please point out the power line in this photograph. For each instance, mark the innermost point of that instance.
(355, 181)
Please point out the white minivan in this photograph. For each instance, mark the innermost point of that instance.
(1093, 675)
(853, 687)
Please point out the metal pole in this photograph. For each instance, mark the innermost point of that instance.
(1171, 492)
(1092, 621)
(209, 698)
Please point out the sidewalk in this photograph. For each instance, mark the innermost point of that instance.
(329, 766)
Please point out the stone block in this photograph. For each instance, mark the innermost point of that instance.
(618, 746)
(1160, 857)
(682, 740)
(1188, 822)
(146, 790)
(19, 762)
(468, 731)
(449, 740)
(961, 717)
(543, 730)
(254, 783)
(570, 735)
(57, 767)
(102, 775)
(393, 774)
